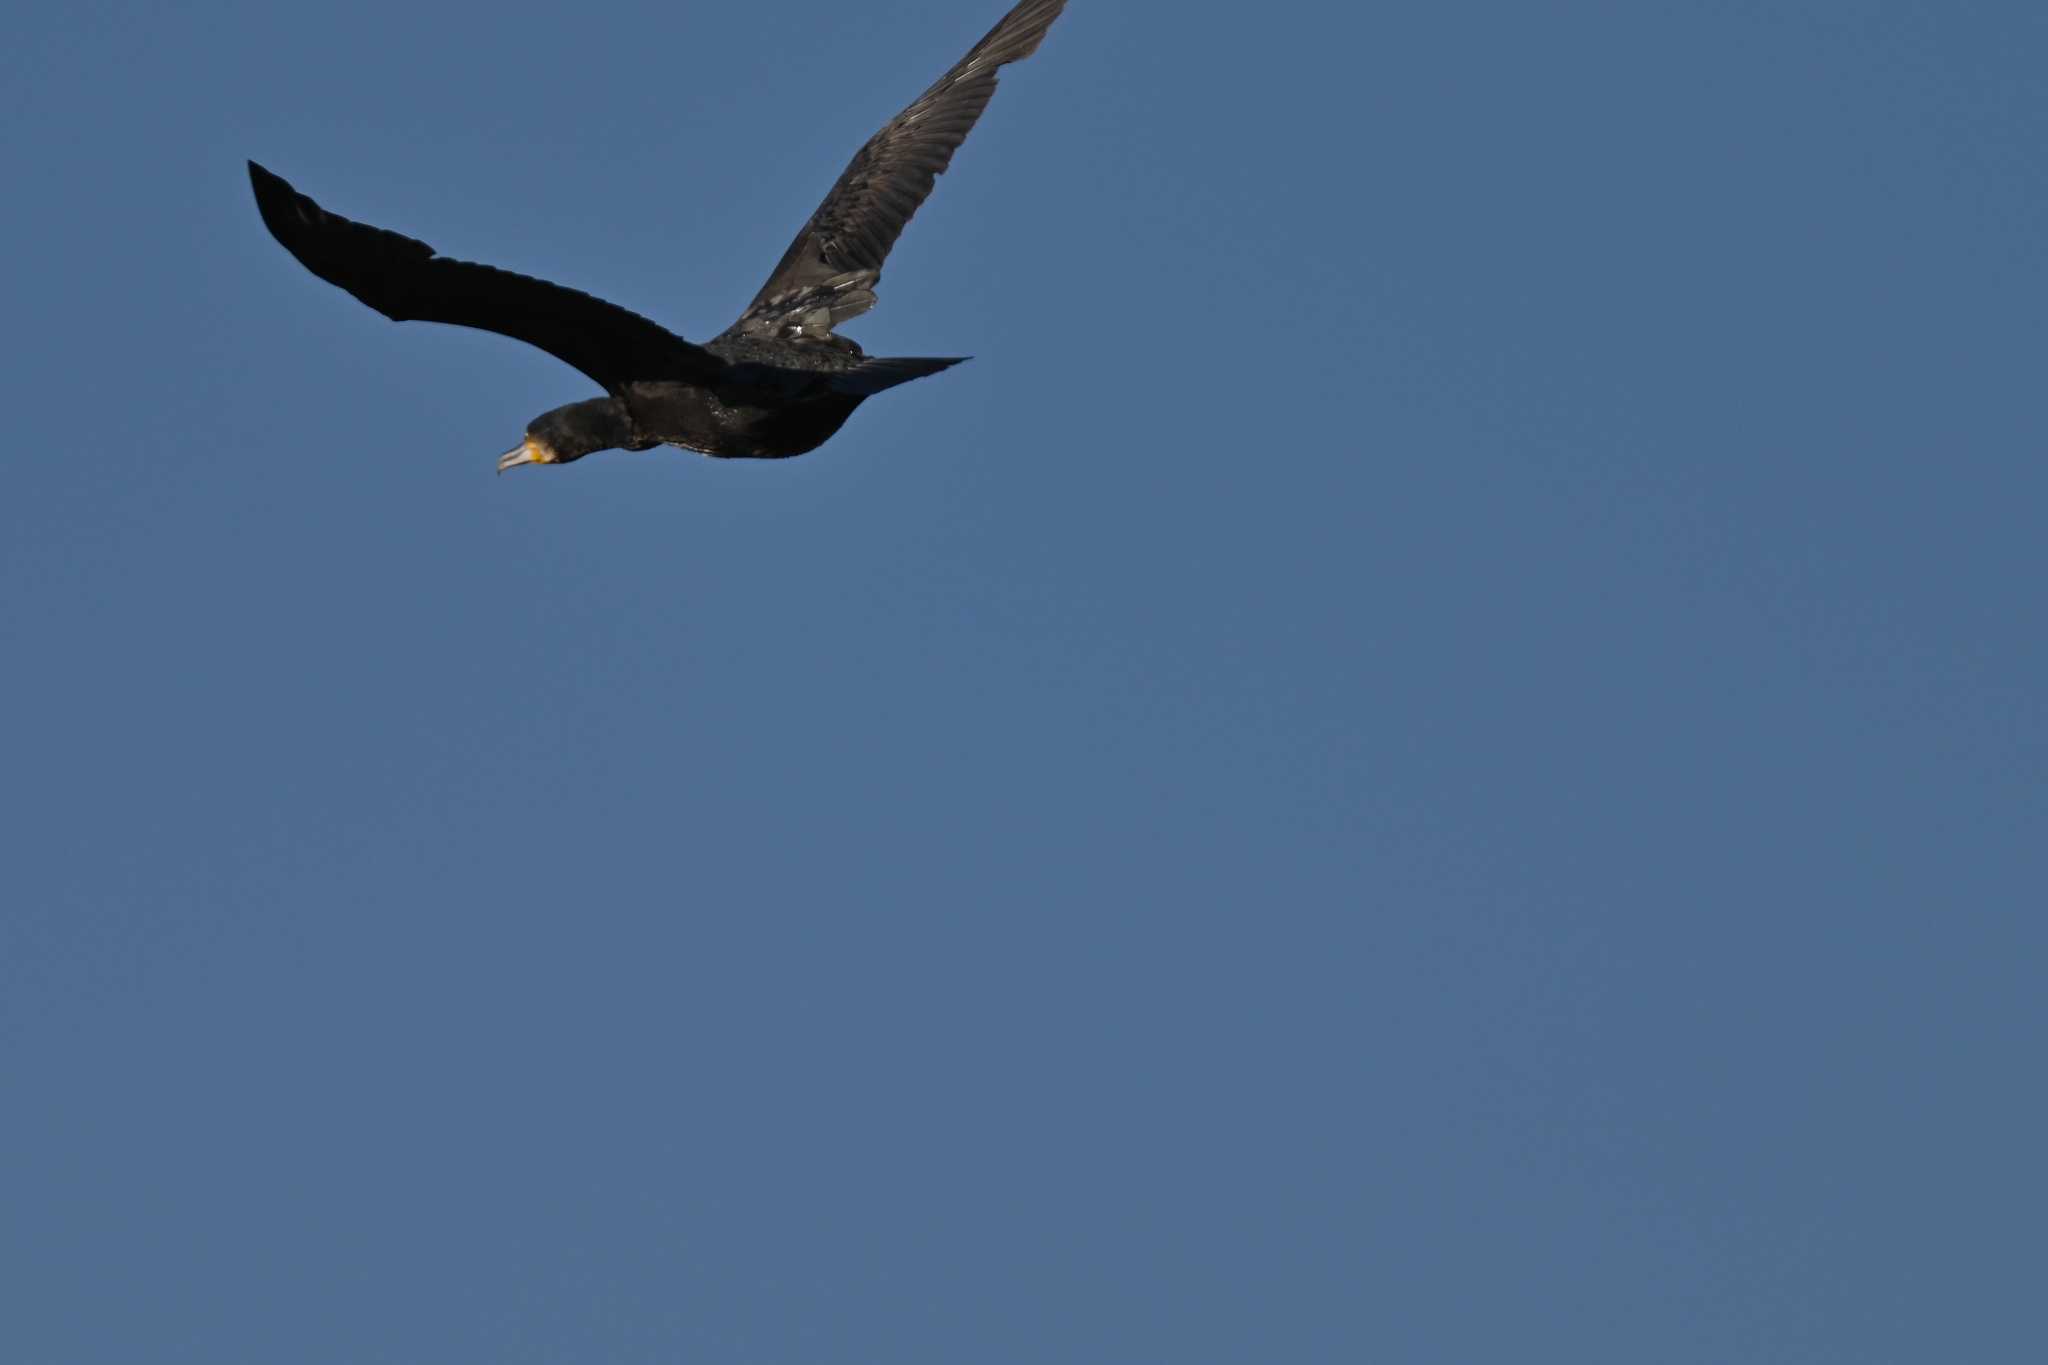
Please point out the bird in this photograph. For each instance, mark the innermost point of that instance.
(778, 382)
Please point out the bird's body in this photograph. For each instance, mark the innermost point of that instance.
(778, 382)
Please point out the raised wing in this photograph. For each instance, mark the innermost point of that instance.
(829, 272)
(405, 281)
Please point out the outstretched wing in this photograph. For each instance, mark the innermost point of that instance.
(829, 272)
(405, 281)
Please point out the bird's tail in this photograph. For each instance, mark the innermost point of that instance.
(870, 377)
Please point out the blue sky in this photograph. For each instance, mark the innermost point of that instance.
(1436, 754)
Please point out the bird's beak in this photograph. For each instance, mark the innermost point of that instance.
(528, 451)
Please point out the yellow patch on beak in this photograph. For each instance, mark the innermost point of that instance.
(529, 451)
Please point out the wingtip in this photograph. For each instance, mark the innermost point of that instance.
(275, 202)
(266, 182)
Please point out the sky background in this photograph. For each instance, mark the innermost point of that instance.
(1436, 754)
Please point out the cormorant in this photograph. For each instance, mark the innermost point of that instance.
(778, 382)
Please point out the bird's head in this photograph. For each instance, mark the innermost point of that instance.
(570, 433)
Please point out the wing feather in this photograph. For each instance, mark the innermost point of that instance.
(829, 272)
(405, 281)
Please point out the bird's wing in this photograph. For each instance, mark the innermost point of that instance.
(405, 281)
(829, 272)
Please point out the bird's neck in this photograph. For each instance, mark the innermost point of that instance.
(594, 424)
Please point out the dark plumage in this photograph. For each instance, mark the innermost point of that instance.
(777, 382)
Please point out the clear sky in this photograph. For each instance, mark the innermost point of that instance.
(1436, 754)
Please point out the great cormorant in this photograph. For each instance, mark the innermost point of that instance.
(777, 382)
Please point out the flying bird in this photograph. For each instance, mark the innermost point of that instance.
(776, 383)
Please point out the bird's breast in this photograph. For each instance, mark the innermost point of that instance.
(769, 420)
